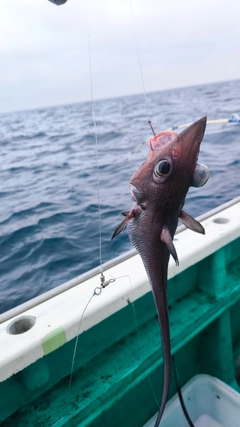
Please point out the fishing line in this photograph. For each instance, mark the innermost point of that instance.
(151, 127)
(103, 283)
(74, 355)
(97, 291)
(135, 33)
(95, 135)
(76, 344)
(234, 119)
(137, 330)
(139, 340)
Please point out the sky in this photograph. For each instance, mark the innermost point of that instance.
(44, 49)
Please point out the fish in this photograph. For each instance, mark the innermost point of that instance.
(159, 189)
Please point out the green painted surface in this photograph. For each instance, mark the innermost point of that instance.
(53, 340)
(115, 364)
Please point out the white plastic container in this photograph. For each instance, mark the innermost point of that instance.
(209, 402)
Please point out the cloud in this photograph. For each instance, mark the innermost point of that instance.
(45, 59)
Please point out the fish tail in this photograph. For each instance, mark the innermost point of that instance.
(179, 392)
(165, 334)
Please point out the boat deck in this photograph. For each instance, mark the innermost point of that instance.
(118, 363)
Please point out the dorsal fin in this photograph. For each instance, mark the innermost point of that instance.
(167, 239)
(191, 223)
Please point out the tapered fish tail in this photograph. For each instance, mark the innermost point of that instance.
(165, 334)
(179, 392)
(160, 296)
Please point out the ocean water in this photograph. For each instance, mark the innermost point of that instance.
(49, 229)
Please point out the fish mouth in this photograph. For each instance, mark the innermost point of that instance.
(136, 194)
(161, 139)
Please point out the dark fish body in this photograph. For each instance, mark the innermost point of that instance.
(159, 189)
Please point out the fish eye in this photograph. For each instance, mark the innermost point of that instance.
(162, 168)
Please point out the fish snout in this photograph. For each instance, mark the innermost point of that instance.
(186, 146)
(192, 136)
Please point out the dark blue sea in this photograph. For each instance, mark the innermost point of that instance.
(49, 230)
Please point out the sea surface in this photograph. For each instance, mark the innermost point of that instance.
(49, 228)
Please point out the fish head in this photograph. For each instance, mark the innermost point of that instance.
(169, 169)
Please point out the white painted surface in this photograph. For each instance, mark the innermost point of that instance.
(65, 310)
(209, 402)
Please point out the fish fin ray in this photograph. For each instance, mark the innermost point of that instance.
(167, 239)
(191, 223)
(120, 228)
(128, 215)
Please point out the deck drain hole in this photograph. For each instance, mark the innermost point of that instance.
(221, 220)
(21, 325)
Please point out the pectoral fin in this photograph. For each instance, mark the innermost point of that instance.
(167, 239)
(191, 223)
(128, 215)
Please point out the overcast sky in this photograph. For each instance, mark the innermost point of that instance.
(44, 48)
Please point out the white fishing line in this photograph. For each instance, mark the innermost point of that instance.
(76, 344)
(57, 422)
(95, 134)
(138, 337)
(97, 292)
(136, 38)
(104, 283)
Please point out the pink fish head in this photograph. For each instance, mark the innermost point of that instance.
(168, 170)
